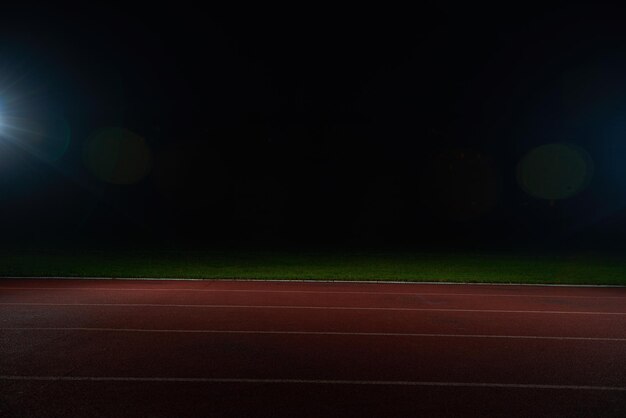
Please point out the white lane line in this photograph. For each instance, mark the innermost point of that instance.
(362, 334)
(441, 282)
(337, 308)
(310, 382)
(310, 292)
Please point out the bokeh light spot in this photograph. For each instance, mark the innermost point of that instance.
(117, 155)
(555, 171)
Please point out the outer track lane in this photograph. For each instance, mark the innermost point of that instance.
(317, 357)
(102, 399)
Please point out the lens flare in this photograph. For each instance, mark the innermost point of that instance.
(555, 171)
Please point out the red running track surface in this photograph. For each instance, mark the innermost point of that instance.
(243, 349)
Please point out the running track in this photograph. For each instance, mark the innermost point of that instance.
(242, 349)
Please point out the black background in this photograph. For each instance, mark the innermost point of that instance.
(321, 126)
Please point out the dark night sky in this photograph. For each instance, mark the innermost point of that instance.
(313, 125)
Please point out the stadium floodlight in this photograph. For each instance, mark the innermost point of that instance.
(5, 129)
(7, 132)
(31, 123)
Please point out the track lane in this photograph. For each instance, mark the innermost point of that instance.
(331, 300)
(325, 357)
(157, 399)
(601, 326)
